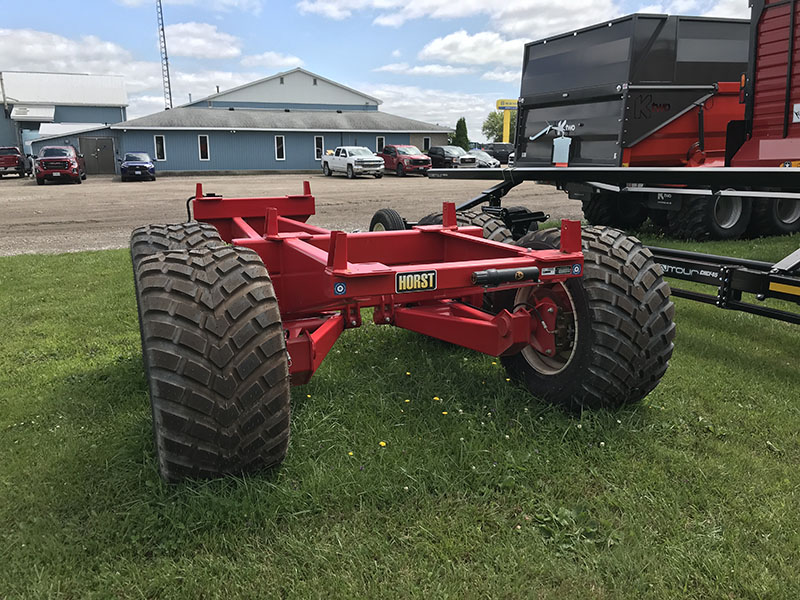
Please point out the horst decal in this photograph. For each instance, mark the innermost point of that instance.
(339, 288)
(416, 281)
(576, 269)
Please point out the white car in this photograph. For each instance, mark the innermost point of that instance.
(483, 159)
(353, 161)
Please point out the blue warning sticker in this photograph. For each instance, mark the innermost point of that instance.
(339, 288)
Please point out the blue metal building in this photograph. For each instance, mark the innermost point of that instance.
(282, 123)
(47, 104)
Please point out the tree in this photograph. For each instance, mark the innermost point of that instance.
(493, 126)
(461, 138)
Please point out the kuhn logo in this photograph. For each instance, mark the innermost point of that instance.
(644, 107)
(417, 281)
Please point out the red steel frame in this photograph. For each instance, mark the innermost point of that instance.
(324, 278)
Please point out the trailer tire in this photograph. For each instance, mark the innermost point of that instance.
(151, 239)
(660, 218)
(215, 361)
(706, 217)
(774, 216)
(622, 324)
(607, 208)
(493, 229)
(387, 219)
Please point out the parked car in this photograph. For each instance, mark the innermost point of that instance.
(12, 161)
(484, 160)
(498, 150)
(403, 159)
(449, 157)
(59, 163)
(354, 161)
(137, 165)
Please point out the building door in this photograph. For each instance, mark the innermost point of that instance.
(98, 154)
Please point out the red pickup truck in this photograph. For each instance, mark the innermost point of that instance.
(12, 161)
(59, 163)
(404, 159)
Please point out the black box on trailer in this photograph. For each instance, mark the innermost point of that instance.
(611, 85)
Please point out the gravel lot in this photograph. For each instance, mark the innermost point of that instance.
(101, 212)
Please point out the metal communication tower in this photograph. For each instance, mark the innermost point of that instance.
(162, 42)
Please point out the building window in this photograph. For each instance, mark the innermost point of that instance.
(161, 147)
(319, 146)
(280, 151)
(281, 80)
(315, 81)
(380, 142)
(202, 147)
(426, 144)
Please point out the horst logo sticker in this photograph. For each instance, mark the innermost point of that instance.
(339, 288)
(416, 281)
(576, 269)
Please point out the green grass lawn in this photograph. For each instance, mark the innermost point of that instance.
(480, 492)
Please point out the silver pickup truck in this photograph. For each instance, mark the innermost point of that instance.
(354, 161)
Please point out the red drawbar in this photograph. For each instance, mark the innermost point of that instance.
(419, 279)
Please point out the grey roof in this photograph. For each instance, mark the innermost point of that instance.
(279, 120)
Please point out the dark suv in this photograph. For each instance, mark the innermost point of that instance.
(450, 157)
(59, 163)
(498, 150)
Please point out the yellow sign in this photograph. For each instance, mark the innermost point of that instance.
(507, 104)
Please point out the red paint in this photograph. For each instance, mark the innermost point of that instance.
(767, 147)
(677, 144)
(324, 278)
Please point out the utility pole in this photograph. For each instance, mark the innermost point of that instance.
(162, 42)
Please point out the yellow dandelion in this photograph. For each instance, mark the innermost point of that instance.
(382, 444)
(436, 398)
(494, 362)
(407, 400)
(444, 412)
(408, 372)
(350, 453)
(507, 379)
(308, 395)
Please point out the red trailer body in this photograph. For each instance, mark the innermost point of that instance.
(773, 119)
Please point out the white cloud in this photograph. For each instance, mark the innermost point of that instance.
(529, 18)
(502, 75)
(251, 6)
(479, 49)
(49, 52)
(730, 8)
(272, 60)
(435, 70)
(442, 107)
(396, 53)
(201, 40)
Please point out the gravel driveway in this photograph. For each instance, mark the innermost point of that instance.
(101, 212)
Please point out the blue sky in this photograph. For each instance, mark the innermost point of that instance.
(433, 60)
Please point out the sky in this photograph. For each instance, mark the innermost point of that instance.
(431, 60)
